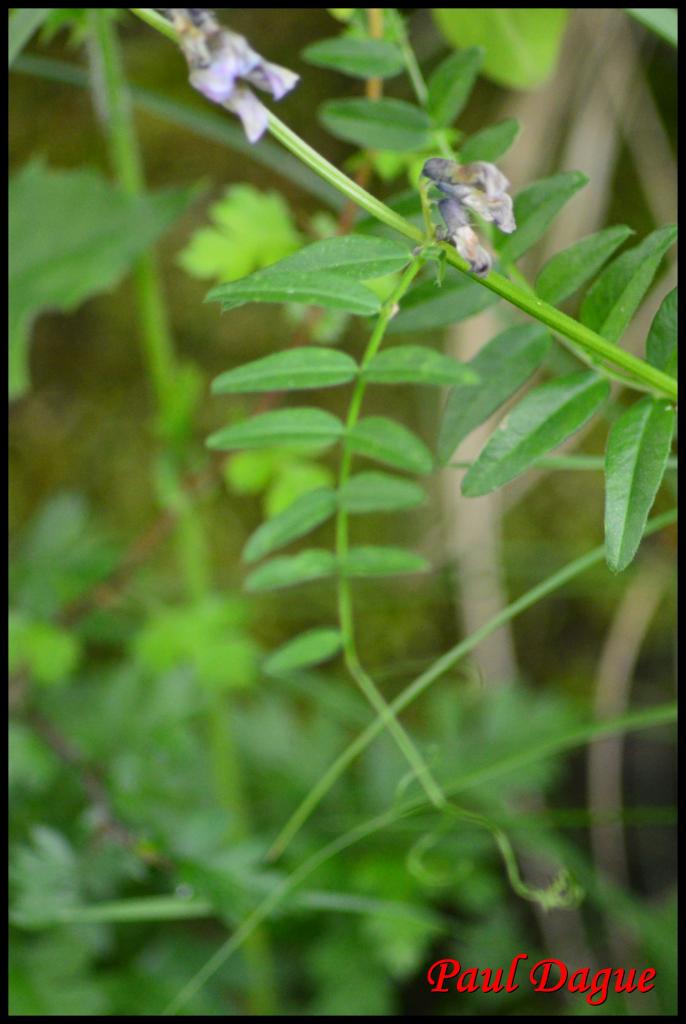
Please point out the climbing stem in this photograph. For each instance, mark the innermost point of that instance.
(435, 671)
(495, 769)
(582, 336)
(345, 606)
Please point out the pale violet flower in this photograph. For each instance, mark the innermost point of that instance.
(221, 63)
(480, 187)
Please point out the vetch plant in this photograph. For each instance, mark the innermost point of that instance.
(398, 271)
(332, 274)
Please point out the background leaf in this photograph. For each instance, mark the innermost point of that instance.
(535, 208)
(294, 369)
(287, 571)
(450, 85)
(311, 648)
(661, 346)
(23, 22)
(90, 234)
(521, 45)
(382, 561)
(431, 305)
(361, 58)
(334, 291)
(282, 426)
(490, 143)
(302, 516)
(47, 652)
(413, 364)
(503, 365)
(637, 450)
(541, 421)
(376, 124)
(386, 441)
(568, 270)
(661, 20)
(358, 257)
(614, 298)
(379, 492)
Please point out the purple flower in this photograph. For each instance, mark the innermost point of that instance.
(480, 187)
(221, 62)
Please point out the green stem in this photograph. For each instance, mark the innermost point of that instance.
(191, 541)
(349, 188)
(155, 333)
(439, 668)
(558, 322)
(345, 605)
(416, 77)
(157, 21)
(413, 70)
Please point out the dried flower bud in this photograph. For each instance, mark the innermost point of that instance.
(221, 62)
(463, 237)
(479, 186)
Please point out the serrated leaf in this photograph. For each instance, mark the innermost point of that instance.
(541, 421)
(250, 230)
(389, 442)
(377, 124)
(568, 270)
(310, 648)
(379, 492)
(429, 305)
(358, 257)
(535, 208)
(450, 85)
(381, 561)
(283, 426)
(503, 365)
(334, 291)
(661, 346)
(637, 449)
(301, 517)
(613, 299)
(413, 364)
(360, 58)
(287, 571)
(490, 143)
(521, 44)
(293, 370)
(73, 235)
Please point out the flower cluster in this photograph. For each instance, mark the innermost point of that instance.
(480, 187)
(221, 62)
